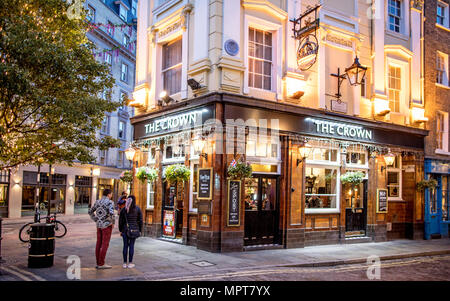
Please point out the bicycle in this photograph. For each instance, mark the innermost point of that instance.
(60, 228)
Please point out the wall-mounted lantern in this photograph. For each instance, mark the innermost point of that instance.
(355, 75)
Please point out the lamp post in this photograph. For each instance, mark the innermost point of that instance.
(355, 75)
(129, 154)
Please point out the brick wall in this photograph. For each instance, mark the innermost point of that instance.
(436, 97)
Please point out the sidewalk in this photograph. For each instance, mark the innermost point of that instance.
(161, 260)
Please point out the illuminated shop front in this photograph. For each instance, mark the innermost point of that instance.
(299, 193)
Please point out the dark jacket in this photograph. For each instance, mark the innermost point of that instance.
(134, 219)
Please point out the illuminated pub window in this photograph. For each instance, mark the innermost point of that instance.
(394, 179)
(322, 177)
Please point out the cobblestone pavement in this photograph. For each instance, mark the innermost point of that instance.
(162, 260)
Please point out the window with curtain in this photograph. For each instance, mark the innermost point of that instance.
(171, 67)
(395, 88)
(260, 59)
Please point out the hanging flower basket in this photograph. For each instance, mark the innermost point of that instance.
(430, 184)
(146, 174)
(352, 178)
(240, 171)
(177, 172)
(126, 177)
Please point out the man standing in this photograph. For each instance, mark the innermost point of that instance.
(103, 214)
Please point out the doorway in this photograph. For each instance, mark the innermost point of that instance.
(261, 210)
(356, 209)
(437, 211)
(172, 210)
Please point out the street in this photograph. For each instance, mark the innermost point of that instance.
(159, 260)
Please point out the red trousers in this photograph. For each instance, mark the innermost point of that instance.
(103, 238)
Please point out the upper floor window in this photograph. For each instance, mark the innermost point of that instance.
(105, 123)
(442, 131)
(260, 59)
(110, 28)
(126, 40)
(395, 15)
(394, 90)
(442, 68)
(108, 58)
(123, 97)
(102, 156)
(442, 14)
(171, 67)
(134, 7)
(90, 14)
(123, 12)
(124, 73)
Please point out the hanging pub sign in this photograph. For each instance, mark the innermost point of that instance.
(234, 201)
(205, 182)
(305, 30)
(382, 203)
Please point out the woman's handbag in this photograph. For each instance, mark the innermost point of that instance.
(131, 233)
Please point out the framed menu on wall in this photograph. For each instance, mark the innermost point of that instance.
(205, 183)
(382, 202)
(233, 204)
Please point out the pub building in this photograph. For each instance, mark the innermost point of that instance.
(295, 197)
(313, 97)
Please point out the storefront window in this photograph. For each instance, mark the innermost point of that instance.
(173, 152)
(356, 158)
(83, 192)
(194, 188)
(321, 187)
(322, 151)
(262, 149)
(150, 195)
(394, 179)
(4, 188)
(251, 195)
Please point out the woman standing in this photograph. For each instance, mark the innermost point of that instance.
(130, 227)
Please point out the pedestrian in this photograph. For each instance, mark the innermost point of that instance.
(102, 212)
(121, 203)
(130, 227)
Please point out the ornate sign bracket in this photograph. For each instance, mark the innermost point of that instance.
(305, 30)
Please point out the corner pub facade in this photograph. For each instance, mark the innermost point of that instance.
(232, 73)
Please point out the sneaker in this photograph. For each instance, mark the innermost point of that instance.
(131, 265)
(124, 266)
(104, 267)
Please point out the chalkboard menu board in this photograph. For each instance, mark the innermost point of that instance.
(382, 202)
(205, 180)
(234, 201)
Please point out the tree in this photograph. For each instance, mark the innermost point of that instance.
(50, 86)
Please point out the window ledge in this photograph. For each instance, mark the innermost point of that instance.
(321, 211)
(442, 27)
(398, 35)
(396, 200)
(442, 152)
(442, 86)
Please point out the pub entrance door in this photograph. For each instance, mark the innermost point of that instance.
(261, 210)
(356, 209)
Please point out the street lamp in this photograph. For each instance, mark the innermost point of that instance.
(389, 158)
(304, 151)
(355, 75)
(199, 143)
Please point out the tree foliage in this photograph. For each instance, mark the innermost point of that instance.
(50, 86)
